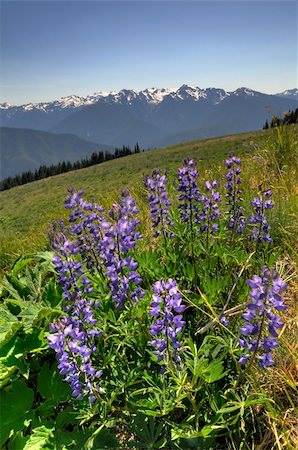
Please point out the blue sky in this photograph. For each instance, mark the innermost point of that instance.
(57, 48)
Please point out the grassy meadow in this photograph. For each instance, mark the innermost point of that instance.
(26, 212)
(208, 401)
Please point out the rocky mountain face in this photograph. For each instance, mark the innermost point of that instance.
(152, 117)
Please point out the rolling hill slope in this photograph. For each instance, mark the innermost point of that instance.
(23, 149)
(27, 211)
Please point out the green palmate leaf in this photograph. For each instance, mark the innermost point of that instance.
(214, 371)
(13, 286)
(190, 438)
(20, 263)
(9, 325)
(29, 315)
(5, 374)
(16, 404)
(52, 294)
(50, 384)
(148, 431)
(40, 438)
(101, 439)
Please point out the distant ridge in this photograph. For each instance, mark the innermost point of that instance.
(153, 116)
(25, 149)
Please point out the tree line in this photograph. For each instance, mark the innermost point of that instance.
(288, 119)
(62, 167)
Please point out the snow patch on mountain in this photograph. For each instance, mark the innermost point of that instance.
(152, 96)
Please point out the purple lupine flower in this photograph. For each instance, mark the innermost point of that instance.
(224, 321)
(167, 309)
(73, 339)
(119, 237)
(260, 226)
(73, 336)
(190, 195)
(236, 220)
(159, 204)
(265, 295)
(86, 219)
(209, 212)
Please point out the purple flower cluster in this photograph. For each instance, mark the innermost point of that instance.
(89, 242)
(260, 229)
(119, 237)
(86, 218)
(190, 195)
(260, 329)
(209, 212)
(73, 336)
(236, 221)
(166, 308)
(159, 204)
(73, 339)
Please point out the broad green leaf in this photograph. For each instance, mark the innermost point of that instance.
(9, 325)
(16, 403)
(214, 371)
(50, 384)
(20, 263)
(18, 441)
(40, 438)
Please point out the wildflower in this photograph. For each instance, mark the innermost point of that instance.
(74, 342)
(260, 331)
(260, 229)
(119, 237)
(86, 219)
(159, 203)
(166, 309)
(189, 197)
(236, 221)
(209, 212)
(73, 336)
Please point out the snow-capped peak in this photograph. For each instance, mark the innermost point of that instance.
(293, 93)
(245, 91)
(155, 95)
(5, 105)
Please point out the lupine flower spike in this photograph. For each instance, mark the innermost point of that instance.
(73, 336)
(261, 323)
(119, 237)
(167, 309)
(190, 195)
(209, 213)
(236, 220)
(86, 218)
(260, 226)
(159, 204)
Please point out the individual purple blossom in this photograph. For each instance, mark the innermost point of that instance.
(236, 220)
(167, 309)
(260, 227)
(189, 192)
(119, 238)
(260, 329)
(159, 204)
(224, 321)
(209, 213)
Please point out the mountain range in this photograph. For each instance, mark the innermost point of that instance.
(153, 117)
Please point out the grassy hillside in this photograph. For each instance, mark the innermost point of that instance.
(27, 211)
(222, 391)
